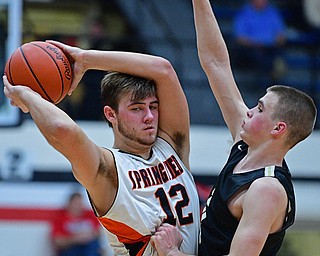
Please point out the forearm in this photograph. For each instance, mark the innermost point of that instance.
(215, 61)
(177, 253)
(150, 67)
(52, 122)
(174, 252)
(211, 45)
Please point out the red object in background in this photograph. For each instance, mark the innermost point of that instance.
(203, 192)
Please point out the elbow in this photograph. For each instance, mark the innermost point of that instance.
(164, 68)
(60, 133)
(214, 66)
(211, 58)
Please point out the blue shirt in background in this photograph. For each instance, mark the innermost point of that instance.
(259, 26)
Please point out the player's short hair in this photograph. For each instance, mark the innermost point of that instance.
(297, 110)
(115, 85)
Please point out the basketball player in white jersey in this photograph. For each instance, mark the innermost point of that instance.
(144, 180)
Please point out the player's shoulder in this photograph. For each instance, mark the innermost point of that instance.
(107, 153)
(268, 186)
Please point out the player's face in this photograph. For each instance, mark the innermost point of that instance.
(258, 125)
(138, 120)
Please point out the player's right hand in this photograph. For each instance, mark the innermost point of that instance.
(167, 240)
(13, 94)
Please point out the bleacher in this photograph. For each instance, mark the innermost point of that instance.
(166, 28)
(170, 33)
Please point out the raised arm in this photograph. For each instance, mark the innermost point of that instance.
(63, 134)
(67, 137)
(174, 123)
(173, 107)
(214, 59)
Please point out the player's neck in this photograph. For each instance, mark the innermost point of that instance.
(134, 149)
(259, 158)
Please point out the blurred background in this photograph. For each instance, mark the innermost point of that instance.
(35, 180)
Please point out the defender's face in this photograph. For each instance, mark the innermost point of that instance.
(137, 121)
(258, 125)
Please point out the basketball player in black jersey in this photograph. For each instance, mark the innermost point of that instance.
(253, 203)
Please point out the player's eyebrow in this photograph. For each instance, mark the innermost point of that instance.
(143, 103)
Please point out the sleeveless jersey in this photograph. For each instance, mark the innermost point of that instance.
(218, 225)
(150, 192)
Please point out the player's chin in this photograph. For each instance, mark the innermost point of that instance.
(152, 133)
(247, 138)
(146, 143)
(150, 140)
(243, 135)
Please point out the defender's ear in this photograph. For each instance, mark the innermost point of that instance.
(280, 128)
(109, 114)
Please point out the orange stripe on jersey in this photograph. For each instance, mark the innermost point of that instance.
(127, 235)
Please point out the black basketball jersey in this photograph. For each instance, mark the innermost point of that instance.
(218, 225)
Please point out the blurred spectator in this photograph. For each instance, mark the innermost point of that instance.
(312, 14)
(98, 37)
(75, 230)
(259, 32)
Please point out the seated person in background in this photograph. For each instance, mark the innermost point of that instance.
(75, 230)
(259, 31)
(311, 10)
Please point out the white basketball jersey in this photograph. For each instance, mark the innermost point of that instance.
(150, 192)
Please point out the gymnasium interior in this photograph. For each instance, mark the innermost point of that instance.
(34, 180)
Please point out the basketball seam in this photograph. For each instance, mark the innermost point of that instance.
(34, 75)
(9, 70)
(61, 77)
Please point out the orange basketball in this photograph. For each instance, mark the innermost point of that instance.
(43, 67)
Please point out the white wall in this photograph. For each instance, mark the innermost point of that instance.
(209, 149)
(25, 238)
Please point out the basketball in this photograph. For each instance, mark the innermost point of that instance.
(43, 67)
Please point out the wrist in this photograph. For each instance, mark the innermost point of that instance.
(86, 58)
(174, 252)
